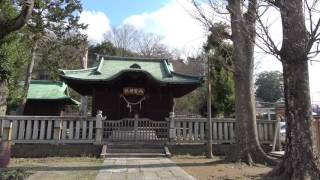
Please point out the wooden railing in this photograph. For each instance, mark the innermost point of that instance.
(50, 129)
(193, 130)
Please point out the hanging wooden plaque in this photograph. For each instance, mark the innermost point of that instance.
(133, 91)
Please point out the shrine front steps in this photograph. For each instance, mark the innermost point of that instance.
(123, 150)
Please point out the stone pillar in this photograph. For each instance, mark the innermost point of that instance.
(1, 129)
(269, 114)
(172, 129)
(99, 127)
(5, 132)
(136, 119)
(57, 130)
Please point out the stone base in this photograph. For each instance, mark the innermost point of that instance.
(200, 149)
(50, 150)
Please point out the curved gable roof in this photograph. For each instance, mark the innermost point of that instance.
(111, 67)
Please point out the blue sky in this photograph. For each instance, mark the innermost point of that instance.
(118, 10)
(170, 19)
(167, 18)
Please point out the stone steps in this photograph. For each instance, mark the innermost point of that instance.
(149, 150)
(134, 150)
(133, 155)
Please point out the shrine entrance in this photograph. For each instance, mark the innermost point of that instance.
(132, 102)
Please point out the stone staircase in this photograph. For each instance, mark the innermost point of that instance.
(134, 150)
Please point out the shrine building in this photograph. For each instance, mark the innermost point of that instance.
(47, 98)
(125, 87)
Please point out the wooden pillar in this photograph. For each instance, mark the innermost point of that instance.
(99, 127)
(209, 121)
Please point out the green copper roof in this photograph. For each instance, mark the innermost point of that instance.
(49, 90)
(111, 67)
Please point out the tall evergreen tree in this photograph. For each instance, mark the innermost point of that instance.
(10, 20)
(50, 20)
(222, 81)
(269, 86)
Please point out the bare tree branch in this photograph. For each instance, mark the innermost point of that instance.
(265, 38)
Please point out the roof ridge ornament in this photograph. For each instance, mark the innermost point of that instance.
(100, 66)
(135, 66)
(166, 67)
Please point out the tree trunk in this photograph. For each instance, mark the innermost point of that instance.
(83, 109)
(243, 34)
(7, 26)
(300, 160)
(27, 81)
(3, 97)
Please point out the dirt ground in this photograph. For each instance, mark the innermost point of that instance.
(86, 168)
(62, 168)
(217, 169)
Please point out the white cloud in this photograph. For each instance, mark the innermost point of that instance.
(174, 23)
(98, 25)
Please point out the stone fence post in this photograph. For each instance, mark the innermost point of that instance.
(99, 119)
(172, 129)
(5, 130)
(57, 130)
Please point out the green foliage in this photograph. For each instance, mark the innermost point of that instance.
(54, 26)
(269, 86)
(222, 78)
(14, 174)
(59, 54)
(222, 82)
(107, 48)
(222, 99)
(14, 55)
(192, 102)
(7, 10)
(104, 48)
(223, 92)
(9, 46)
(56, 17)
